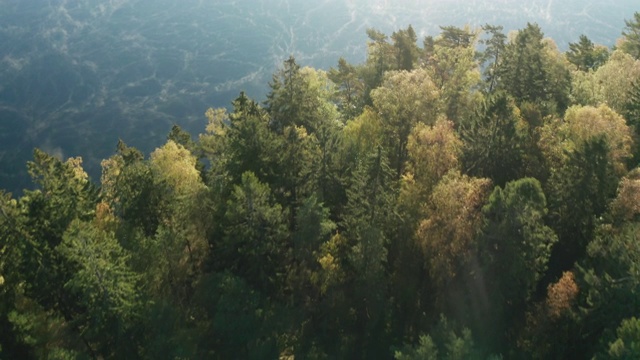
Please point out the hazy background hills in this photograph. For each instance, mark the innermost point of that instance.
(77, 75)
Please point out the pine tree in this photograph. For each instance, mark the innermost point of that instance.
(494, 140)
(631, 36)
(493, 54)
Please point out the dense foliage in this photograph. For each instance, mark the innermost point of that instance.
(435, 202)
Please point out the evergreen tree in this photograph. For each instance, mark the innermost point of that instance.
(255, 245)
(578, 196)
(631, 36)
(406, 49)
(627, 345)
(514, 248)
(494, 140)
(105, 287)
(350, 97)
(380, 59)
(493, 54)
(585, 55)
(530, 73)
(367, 214)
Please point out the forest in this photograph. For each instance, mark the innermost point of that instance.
(470, 195)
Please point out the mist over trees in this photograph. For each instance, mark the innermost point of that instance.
(468, 195)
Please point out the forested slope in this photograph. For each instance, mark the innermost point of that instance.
(469, 195)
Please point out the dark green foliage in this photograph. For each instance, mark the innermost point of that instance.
(104, 285)
(255, 244)
(11, 246)
(495, 139)
(380, 59)
(631, 36)
(514, 248)
(493, 54)
(179, 136)
(445, 342)
(530, 74)
(454, 37)
(63, 196)
(367, 210)
(313, 228)
(611, 283)
(404, 42)
(137, 199)
(579, 194)
(627, 345)
(238, 322)
(350, 97)
(251, 146)
(585, 55)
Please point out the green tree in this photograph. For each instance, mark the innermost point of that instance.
(631, 37)
(367, 214)
(610, 84)
(632, 107)
(609, 277)
(532, 71)
(180, 246)
(493, 54)
(213, 145)
(445, 339)
(180, 136)
(314, 228)
(247, 144)
(406, 49)
(425, 350)
(495, 140)
(302, 113)
(12, 243)
(585, 55)
(578, 194)
(632, 114)
(360, 135)
(455, 72)
(300, 97)
(582, 124)
(350, 89)
(380, 59)
(105, 286)
(43, 306)
(403, 100)
(627, 345)
(65, 194)
(523, 74)
(515, 245)
(255, 244)
(128, 189)
(237, 321)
